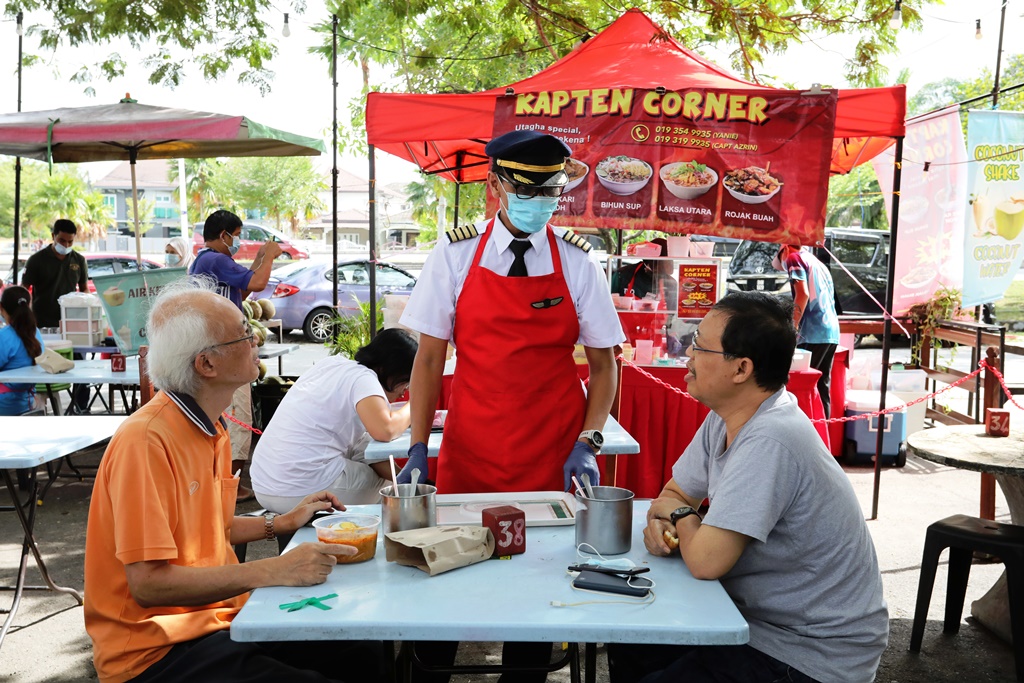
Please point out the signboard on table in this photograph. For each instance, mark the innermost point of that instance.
(994, 230)
(698, 288)
(933, 204)
(126, 298)
(744, 163)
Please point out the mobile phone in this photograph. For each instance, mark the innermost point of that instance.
(637, 587)
(586, 567)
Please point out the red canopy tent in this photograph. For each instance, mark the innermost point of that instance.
(446, 134)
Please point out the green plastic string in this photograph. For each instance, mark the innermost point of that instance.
(49, 143)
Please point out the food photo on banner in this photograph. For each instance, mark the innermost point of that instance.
(749, 164)
(126, 299)
(933, 203)
(995, 222)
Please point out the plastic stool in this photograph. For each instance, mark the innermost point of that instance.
(963, 535)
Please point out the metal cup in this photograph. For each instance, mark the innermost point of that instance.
(409, 510)
(605, 522)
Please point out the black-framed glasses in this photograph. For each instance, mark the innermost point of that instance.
(526, 192)
(250, 335)
(696, 347)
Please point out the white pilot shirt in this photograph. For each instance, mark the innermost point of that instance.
(431, 308)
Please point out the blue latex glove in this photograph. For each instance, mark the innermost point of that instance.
(417, 459)
(579, 461)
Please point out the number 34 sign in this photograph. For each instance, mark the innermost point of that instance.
(508, 524)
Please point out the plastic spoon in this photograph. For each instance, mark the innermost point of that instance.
(586, 484)
(414, 479)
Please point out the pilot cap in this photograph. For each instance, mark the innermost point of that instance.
(528, 157)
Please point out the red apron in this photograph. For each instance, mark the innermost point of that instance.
(517, 404)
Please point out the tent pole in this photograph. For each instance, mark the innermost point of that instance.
(887, 335)
(133, 156)
(17, 166)
(458, 186)
(373, 242)
(334, 166)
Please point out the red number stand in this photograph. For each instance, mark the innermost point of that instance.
(117, 362)
(997, 422)
(508, 524)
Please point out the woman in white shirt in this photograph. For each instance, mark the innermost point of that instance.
(318, 434)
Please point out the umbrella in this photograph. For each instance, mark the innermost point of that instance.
(129, 130)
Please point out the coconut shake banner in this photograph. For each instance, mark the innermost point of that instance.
(126, 298)
(738, 163)
(993, 239)
(932, 206)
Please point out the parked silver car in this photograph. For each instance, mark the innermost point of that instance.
(301, 292)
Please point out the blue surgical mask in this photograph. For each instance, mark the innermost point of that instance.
(172, 259)
(61, 249)
(530, 215)
(233, 247)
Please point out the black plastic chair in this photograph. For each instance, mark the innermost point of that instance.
(963, 535)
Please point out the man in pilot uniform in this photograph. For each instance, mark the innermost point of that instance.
(514, 295)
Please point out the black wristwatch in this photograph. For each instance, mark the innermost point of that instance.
(595, 437)
(679, 513)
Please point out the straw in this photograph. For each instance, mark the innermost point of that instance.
(394, 477)
(578, 487)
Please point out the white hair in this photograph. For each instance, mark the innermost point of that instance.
(177, 332)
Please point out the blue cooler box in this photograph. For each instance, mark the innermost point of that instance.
(861, 435)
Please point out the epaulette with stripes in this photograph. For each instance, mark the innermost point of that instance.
(463, 232)
(577, 241)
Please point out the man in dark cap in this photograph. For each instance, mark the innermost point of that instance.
(514, 295)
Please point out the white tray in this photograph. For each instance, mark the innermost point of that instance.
(542, 508)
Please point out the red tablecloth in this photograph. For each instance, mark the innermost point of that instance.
(664, 422)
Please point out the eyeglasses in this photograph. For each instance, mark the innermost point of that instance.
(693, 344)
(524, 192)
(247, 338)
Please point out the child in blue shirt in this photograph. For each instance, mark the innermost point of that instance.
(20, 344)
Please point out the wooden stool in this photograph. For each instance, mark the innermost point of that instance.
(963, 535)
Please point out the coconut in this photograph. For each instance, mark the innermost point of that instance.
(269, 310)
(257, 309)
(263, 370)
(247, 309)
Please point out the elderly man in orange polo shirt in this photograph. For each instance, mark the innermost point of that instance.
(161, 581)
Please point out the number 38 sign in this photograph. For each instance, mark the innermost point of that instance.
(508, 524)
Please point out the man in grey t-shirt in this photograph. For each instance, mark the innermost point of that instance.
(784, 531)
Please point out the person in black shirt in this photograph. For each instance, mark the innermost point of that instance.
(53, 271)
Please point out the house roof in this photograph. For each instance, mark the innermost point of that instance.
(153, 174)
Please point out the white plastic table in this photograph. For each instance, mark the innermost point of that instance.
(92, 372)
(26, 443)
(497, 601)
(277, 351)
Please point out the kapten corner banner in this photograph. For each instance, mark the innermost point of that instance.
(744, 163)
(994, 225)
(126, 298)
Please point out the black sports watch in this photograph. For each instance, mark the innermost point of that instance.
(595, 438)
(680, 513)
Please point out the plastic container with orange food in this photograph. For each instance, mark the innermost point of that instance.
(358, 531)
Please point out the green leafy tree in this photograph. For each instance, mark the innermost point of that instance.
(65, 194)
(286, 188)
(952, 90)
(146, 207)
(200, 187)
(425, 196)
(217, 36)
(32, 175)
(856, 200)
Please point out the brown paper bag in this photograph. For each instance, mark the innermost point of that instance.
(438, 549)
(54, 363)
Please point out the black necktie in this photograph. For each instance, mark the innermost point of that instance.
(518, 268)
